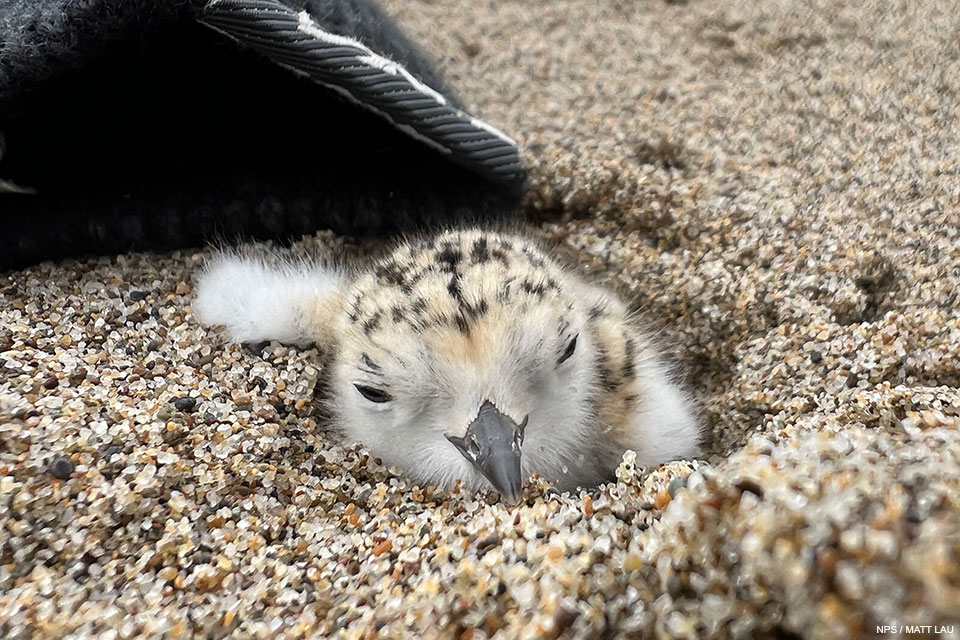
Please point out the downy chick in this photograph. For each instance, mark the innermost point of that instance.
(468, 356)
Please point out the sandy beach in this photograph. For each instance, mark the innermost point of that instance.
(776, 186)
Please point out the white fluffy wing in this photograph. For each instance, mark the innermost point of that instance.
(256, 301)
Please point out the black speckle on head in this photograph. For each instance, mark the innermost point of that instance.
(629, 363)
(604, 374)
(455, 290)
(462, 324)
(501, 256)
(396, 314)
(392, 274)
(370, 364)
(476, 310)
(418, 306)
(480, 254)
(354, 314)
(595, 312)
(533, 289)
(371, 324)
(449, 257)
(607, 381)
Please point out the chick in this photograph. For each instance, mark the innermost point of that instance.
(470, 356)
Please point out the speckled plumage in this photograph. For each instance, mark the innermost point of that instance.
(419, 339)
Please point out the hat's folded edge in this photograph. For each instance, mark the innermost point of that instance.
(308, 181)
(297, 41)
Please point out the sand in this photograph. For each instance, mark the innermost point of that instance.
(776, 186)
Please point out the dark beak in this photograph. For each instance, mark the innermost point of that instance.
(492, 445)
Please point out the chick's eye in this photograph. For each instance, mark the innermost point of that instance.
(571, 347)
(373, 394)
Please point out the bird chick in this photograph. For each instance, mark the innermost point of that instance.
(470, 356)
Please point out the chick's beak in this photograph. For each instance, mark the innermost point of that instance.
(492, 445)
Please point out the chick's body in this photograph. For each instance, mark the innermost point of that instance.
(422, 340)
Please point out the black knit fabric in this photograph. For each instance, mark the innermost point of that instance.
(137, 127)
